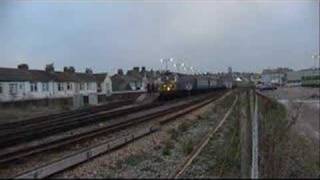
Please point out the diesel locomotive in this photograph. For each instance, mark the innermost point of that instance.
(178, 85)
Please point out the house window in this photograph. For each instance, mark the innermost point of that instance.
(1, 90)
(60, 86)
(33, 87)
(88, 86)
(99, 87)
(20, 86)
(108, 88)
(81, 86)
(92, 86)
(69, 86)
(45, 87)
(13, 88)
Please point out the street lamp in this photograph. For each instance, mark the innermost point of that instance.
(166, 60)
(191, 68)
(315, 57)
(178, 65)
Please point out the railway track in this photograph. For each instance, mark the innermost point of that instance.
(5, 127)
(10, 154)
(25, 132)
(163, 116)
(201, 145)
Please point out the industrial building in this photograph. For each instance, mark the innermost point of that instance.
(275, 76)
(303, 77)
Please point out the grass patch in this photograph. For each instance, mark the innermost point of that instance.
(174, 134)
(134, 160)
(168, 145)
(221, 157)
(285, 153)
(106, 174)
(184, 126)
(187, 146)
(166, 152)
(229, 159)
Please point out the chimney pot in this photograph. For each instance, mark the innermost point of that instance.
(89, 71)
(49, 68)
(23, 66)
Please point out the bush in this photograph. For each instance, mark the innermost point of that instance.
(174, 134)
(187, 146)
(183, 126)
(168, 145)
(166, 151)
(200, 116)
(134, 160)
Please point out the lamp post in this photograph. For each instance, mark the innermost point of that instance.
(316, 57)
(317, 70)
(177, 65)
(191, 68)
(166, 60)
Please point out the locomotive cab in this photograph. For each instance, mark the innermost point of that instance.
(168, 86)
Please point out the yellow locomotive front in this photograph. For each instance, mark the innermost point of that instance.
(167, 87)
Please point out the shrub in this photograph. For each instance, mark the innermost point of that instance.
(187, 146)
(134, 160)
(168, 145)
(166, 151)
(183, 126)
(174, 134)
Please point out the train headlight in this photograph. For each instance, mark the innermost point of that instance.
(168, 88)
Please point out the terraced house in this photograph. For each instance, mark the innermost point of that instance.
(21, 83)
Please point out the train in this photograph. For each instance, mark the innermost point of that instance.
(179, 85)
(311, 81)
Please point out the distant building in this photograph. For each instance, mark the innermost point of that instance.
(24, 84)
(230, 70)
(228, 80)
(298, 78)
(274, 76)
(119, 83)
(104, 84)
(133, 80)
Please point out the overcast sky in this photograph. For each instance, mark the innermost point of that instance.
(209, 35)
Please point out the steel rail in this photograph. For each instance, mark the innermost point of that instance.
(67, 114)
(9, 156)
(204, 141)
(54, 127)
(92, 152)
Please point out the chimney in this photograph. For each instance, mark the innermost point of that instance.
(69, 69)
(49, 68)
(143, 69)
(120, 72)
(23, 66)
(89, 71)
(136, 69)
(72, 69)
